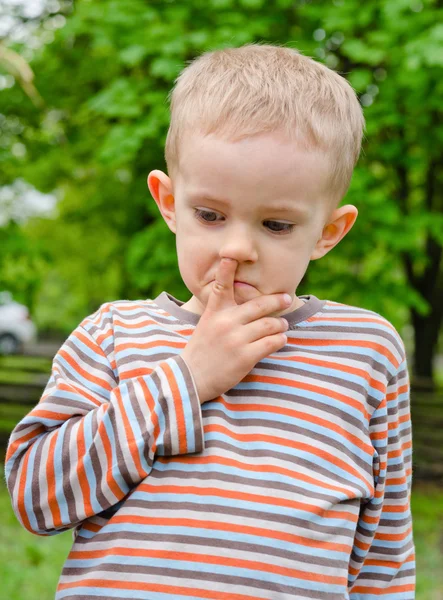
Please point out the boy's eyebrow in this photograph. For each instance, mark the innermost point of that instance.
(283, 207)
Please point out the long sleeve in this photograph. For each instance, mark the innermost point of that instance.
(91, 438)
(383, 561)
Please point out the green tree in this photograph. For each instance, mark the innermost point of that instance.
(104, 80)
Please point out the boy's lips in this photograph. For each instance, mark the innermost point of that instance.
(239, 282)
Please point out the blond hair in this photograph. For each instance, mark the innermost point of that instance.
(257, 88)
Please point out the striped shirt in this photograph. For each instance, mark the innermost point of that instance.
(294, 484)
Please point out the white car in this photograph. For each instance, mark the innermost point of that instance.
(16, 327)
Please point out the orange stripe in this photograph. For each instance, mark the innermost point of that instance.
(340, 368)
(396, 423)
(21, 494)
(277, 410)
(86, 374)
(379, 348)
(48, 414)
(138, 325)
(363, 546)
(323, 391)
(178, 408)
(232, 528)
(132, 444)
(147, 345)
(166, 589)
(85, 339)
(143, 371)
(104, 336)
(83, 480)
(393, 537)
(341, 319)
(50, 480)
(404, 418)
(367, 519)
(399, 452)
(92, 526)
(152, 412)
(210, 560)
(133, 304)
(373, 562)
(256, 437)
(400, 390)
(386, 563)
(61, 385)
(395, 508)
(396, 481)
(259, 498)
(112, 484)
(13, 446)
(262, 468)
(101, 313)
(95, 347)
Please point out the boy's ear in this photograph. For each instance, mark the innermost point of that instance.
(160, 186)
(339, 224)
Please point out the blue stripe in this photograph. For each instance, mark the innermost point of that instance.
(228, 536)
(187, 404)
(60, 475)
(216, 570)
(254, 507)
(336, 495)
(293, 453)
(323, 398)
(78, 378)
(119, 593)
(135, 426)
(87, 462)
(29, 504)
(299, 422)
(118, 477)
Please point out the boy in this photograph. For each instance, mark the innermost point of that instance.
(212, 449)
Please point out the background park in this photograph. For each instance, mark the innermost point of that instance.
(83, 119)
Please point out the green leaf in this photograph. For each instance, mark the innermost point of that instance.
(133, 55)
(359, 51)
(120, 99)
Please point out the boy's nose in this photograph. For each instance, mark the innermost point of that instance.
(240, 250)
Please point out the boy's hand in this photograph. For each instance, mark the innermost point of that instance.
(230, 339)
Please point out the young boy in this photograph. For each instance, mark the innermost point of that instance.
(211, 449)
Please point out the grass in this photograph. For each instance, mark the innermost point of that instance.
(30, 565)
(427, 511)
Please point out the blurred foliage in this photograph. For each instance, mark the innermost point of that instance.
(104, 80)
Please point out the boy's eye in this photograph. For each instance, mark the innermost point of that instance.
(210, 217)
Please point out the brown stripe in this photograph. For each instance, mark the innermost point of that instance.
(212, 576)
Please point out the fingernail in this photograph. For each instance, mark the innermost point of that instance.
(287, 298)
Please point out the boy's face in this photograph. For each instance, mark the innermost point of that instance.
(262, 201)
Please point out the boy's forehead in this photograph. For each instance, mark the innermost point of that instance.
(275, 170)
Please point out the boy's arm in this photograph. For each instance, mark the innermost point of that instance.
(383, 559)
(90, 439)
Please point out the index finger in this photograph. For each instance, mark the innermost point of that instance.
(222, 292)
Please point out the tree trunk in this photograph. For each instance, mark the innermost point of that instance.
(426, 332)
(429, 283)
